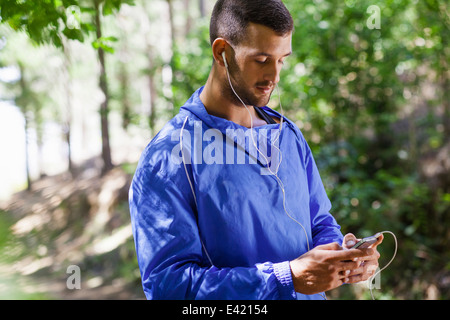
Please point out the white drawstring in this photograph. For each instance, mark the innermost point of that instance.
(190, 183)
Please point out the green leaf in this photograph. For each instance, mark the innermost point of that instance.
(74, 34)
(100, 43)
(110, 38)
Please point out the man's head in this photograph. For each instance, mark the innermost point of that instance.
(230, 18)
(256, 37)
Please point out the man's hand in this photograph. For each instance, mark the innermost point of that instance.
(368, 265)
(328, 266)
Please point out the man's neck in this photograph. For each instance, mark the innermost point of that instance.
(217, 104)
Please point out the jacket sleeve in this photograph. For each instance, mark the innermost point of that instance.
(170, 256)
(324, 227)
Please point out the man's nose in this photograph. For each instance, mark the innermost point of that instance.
(272, 72)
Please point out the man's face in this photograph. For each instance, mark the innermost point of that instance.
(256, 62)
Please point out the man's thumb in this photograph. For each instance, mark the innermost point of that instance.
(349, 240)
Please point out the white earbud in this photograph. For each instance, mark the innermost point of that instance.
(224, 59)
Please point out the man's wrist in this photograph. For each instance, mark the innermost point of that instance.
(285, 282)
(298, 280)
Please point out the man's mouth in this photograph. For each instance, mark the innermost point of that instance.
(264, 89)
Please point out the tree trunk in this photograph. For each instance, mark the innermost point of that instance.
(68, 119)
(172, 33)
(188, 23)
(27, 156)
(445, 85)
(126, 106)
(152, 88)
(152, 69)
(201, 4)
(104, 109)
(23, 93)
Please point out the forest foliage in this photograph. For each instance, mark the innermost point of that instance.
(367, 83)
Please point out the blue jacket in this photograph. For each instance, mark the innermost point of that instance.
(217, 226)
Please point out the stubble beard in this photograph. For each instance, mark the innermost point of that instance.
(240, 87)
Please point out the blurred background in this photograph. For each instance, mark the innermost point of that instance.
(86, 84)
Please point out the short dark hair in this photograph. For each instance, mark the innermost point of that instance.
(230, 18)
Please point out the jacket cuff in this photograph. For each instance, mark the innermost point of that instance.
(285, 284)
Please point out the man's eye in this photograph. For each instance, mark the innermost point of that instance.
(261, 61)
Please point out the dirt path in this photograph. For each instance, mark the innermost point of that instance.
(64, 222)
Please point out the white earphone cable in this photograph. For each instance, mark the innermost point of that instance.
(274, 174)
(370, 280)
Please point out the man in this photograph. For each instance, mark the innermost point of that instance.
(215, 215)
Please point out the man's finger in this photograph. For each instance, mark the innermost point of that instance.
(379, 240)
(352, 254)
(349, 241)
(330, 246)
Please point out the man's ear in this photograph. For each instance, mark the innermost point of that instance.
(218, 47)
